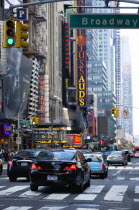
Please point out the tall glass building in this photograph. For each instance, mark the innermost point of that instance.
(127, 123)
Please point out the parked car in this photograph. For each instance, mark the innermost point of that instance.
(117, 157)
(19, 165)
(97, 164)
(127, 153)
(1, 166)
(67, 167)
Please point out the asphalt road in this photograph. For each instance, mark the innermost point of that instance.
(119, 191)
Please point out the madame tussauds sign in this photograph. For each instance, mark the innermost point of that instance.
(123, 21)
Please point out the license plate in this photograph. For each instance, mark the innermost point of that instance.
(51, 177)
(24, 164)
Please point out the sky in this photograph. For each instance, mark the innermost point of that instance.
(133, 35)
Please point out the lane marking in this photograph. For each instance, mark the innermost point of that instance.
(29, 193)
(94, 189)
(85, 197)
(116, 193)
(56, 196)
(12, 190)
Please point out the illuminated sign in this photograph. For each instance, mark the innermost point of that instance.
(74, 138)
(41, 99)
(81, 61)
(6, 129)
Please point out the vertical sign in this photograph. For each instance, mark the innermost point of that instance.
(81, 61)
(41, 98)
(90, 117)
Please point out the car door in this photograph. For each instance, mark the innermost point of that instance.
(85, 167)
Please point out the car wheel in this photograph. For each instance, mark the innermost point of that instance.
(102, 176)
(88, 183)
(0, 170)
(12, 178)
(33, 187)
(106, 173)
(28, 178)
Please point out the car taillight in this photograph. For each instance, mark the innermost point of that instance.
(101, 165)
(10, 162)
(34, 167)
(72, 167)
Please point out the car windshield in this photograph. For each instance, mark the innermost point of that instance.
(116, 153)
(59, 155)
(94, 157)
(27, 154)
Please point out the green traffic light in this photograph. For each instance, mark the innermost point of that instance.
(10, 41)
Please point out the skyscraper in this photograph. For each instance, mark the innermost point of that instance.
(127, 123)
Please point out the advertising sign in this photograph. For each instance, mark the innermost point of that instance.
(81, 61)
(16, 83)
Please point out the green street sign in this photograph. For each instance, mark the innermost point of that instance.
(25, 123)
(109, 21)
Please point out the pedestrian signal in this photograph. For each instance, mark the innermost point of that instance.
(9, 33)
(21, 35)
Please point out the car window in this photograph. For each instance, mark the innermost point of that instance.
(27, 154)
(64, 155)
(94, 157)
(59, 155)
(116, 153)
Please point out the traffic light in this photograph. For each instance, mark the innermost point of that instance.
(113, 112)
(21, 34)
(9, 33)
(33, 120)
(36, 120)
(117, 112)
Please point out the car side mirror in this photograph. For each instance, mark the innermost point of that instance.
(89, 160)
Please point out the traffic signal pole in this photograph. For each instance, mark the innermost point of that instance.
(34, 3)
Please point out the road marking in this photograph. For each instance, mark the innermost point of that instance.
(12, 190)
(116, 193)
(123, 168)
(29, 193)
(56, 196)
(18, 208)
(136, 200)
(134, 179)
(89, 197)
(116, 173)
(94, 189)
(136, 189)
(52, 208)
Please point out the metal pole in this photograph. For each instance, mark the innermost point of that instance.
(18, 126)
(35, 3)
(52, 126)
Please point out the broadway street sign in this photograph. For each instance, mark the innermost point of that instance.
(111, 21)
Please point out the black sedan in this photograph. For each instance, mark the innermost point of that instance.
(19, 165)
(67, 167)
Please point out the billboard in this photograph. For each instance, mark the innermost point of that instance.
(81, 61)
(16, 84)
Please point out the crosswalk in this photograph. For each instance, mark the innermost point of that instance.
(115, 193)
